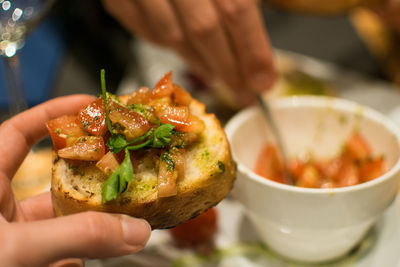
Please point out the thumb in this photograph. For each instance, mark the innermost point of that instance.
(89, 234)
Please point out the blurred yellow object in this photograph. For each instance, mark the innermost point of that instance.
(324, 7)
(34, 175)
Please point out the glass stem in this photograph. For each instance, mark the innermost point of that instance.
(15, 89)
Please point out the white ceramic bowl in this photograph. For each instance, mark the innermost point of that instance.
(313, 225)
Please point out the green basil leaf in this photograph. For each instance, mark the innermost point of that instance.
(126, 172)
(116, 143)
(162, 135)
(118, 181)
(109, 190)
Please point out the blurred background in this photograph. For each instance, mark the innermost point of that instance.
(64, 54)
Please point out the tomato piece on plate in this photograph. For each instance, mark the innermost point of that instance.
(142, 96)
(164, 87)
(180, 96)
(269, 165)
(167, 176)
(126, 121)
(197, 230)
(93, 118)
(89, 148)
(61, 128)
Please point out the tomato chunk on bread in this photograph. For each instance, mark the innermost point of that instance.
(166, 170)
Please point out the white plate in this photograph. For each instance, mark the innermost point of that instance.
(236, 242)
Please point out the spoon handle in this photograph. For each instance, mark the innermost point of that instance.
(276, 134)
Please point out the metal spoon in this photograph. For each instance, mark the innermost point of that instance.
(275, 132)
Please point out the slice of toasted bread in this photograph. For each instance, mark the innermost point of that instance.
(209, 176)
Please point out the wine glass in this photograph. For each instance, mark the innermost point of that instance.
(17, 18)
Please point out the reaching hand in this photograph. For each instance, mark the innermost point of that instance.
(390, 13)
(29, 233)
(219, 39)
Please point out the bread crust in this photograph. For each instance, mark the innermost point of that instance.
(194, 196)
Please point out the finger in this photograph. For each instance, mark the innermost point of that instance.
(37, 207)
(68, 263)
(389, 13)
(206, 34)
(85, 235)
(245, 27)
(18, 134)
(127, 13)
(164, 24)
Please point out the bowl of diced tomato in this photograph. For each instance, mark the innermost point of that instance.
(341, 173)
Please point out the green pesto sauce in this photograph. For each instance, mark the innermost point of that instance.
(167, 158)
(300, 83)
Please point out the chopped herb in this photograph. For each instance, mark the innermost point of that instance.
(86, 123)
(144, 110)
(166, 157)
(205, 154)
(96, 118)
(117, 142)
(104, 95)
(57, 131)
(157, 121)
(221, 166)
(158, 138)
(118, 181)
(162, 135)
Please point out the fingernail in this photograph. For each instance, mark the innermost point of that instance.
(68, 263)
(136, 231)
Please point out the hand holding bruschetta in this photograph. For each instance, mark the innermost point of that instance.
(29, 233)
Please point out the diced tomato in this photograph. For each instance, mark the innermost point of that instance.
(196, 231)
(142, 96)
(178, 156)
(167, 176)
(181, 118)
(93, 118)
(296, 168)
(164, 87)
(90, 148)
(183, 139)
(357, 147)
(347, 175)
(372, 169)
(194, 125)
(63, 127)
(180, 96)
(160, 103)
(108, 163)
(310, 177)
(269, 165)
(353, 166)
(329, 169)
(127, 122)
